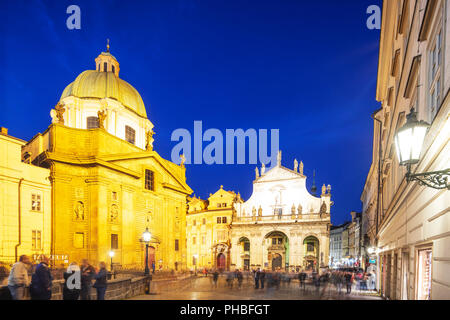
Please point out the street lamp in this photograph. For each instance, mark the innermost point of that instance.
(111, 255)
(146, 236)
(408, 143)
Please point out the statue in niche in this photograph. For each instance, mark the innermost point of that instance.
(114, 214)
(323, 208)
(101, 114)
(149, 140)
(79, 211)
(263, 169)
(301, 167)
(295, 165)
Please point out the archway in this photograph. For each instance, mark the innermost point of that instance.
(311, 253)
(244, 252)
(277, 244)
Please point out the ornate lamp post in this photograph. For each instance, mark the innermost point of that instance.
(409, 142)
(111, 255)
(146, 236)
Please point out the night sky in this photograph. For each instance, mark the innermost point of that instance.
(308, 68)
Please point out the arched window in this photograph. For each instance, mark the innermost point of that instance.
(130, 134)
(91, 122)
(105, 67)
(113, 69)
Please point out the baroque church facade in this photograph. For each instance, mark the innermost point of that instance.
(107, 183)
(281, 226)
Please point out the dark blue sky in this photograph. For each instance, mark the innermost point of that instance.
(307, 68)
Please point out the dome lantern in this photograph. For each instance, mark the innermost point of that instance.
(106, 62)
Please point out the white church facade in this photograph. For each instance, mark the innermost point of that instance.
(281, 226)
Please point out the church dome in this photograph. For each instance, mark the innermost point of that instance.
(105, 83)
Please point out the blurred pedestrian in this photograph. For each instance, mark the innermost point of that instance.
(256, 276)
(41, 281)
(87, 273)
(349, 282)
(215, 277)
(72, 282)
(18, 278)
(101, 281)
(262, 278)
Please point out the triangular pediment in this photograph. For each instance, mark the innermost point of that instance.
(279, 173)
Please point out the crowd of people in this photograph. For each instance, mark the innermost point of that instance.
(261, 278)
(35, 281)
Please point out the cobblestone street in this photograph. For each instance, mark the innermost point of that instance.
(201, 288)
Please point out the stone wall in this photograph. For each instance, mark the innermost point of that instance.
(117, 289)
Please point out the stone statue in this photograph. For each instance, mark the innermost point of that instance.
(299, 209)
(59, 108)
(183, 159)
(279, 158)
(263, 169)
(293, 211)
(324, 190)
(149, 140)
(79, 211)
(254, 211)
(257, 172)
(329, 189)
(101, 114)
(301, 167)
(323, 208)
(114, 213)
(295, 165)
(260, 211)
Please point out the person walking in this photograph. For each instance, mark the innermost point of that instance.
(257, 274)
(240, 278)
(87, 272)
(72, 282)
(348, 280)
(41, 281)
(262, 278)
(18, 278)
(101, 281)
(215, 277)
(302, 278)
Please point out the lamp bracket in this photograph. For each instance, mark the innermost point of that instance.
(436, 179)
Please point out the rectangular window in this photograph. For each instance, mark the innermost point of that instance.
(224, 205)
(114, 241)
(113, 69)
(204, 221)
(434, 90)
(219, 205)
(177, 245)
(246, 246)
(130, 134)
(105, 67)
(78, 240)
(219, 219)
(224, 219)
(36, 240)
(194, 223)
(36, 202)
(310, 246)
(92, 122)
(114, 196)
(149, 180)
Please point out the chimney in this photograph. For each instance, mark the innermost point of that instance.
(4, 131)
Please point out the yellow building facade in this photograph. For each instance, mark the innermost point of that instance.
(25, 203)
(107, 183)
(208, 230)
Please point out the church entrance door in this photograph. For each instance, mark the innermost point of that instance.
(276, 261)
(221, 261)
